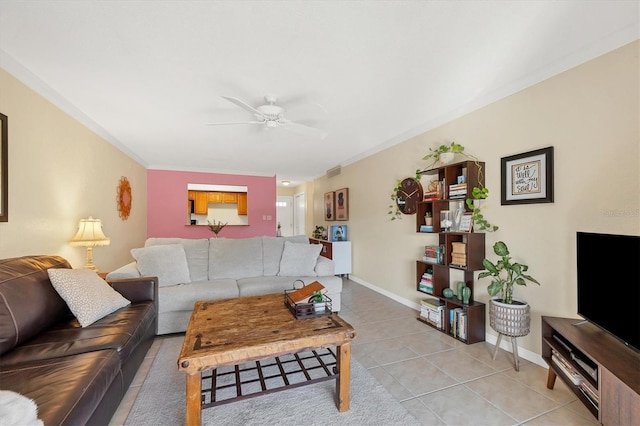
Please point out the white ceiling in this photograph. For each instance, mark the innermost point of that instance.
(149, 75)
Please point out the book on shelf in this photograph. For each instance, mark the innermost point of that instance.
(458, 247)
(430, 302)
(566, 368)
(426, 228)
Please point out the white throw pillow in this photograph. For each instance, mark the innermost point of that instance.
(88, 296)
(167, 262)
(299, 260)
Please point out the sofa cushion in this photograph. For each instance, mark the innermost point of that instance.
(123, 331)
(230, 258)
(272, 248)
(183, 297)
(67, 390)
(88, 296)
(299, 259)
(28, 301)
(196, 251)
(167, 262)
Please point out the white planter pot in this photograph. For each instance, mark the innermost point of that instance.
(445, 158)
(510, 320)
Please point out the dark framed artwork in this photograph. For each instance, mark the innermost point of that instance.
(342, 204)
(527, 178)
(4, 172)
(329, 206)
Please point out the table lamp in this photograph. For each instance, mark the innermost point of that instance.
(89, 235)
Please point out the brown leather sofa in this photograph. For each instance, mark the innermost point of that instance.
(76, 376)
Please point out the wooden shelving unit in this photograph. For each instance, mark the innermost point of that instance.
(474, 251)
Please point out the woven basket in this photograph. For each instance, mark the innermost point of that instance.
(510, 320)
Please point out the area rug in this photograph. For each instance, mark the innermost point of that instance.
(161, 401)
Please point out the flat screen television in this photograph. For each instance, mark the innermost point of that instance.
(609, 284)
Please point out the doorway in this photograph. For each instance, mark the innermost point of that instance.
(300, 213)
(284, 214)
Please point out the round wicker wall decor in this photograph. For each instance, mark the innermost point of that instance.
(124, 198)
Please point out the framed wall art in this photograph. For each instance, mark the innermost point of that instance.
(342, 204)
(527, 178)
(338, 233)
(4, 173)
(329, 206)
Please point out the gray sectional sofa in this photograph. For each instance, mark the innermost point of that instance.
(189, 270)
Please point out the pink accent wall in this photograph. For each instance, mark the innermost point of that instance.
(167, 204)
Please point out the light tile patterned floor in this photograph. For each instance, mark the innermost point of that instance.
(440, 380)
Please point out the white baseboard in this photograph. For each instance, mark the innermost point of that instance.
(489, 338)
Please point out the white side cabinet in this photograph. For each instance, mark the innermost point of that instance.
(339, 252)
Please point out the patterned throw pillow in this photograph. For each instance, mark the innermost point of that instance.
(88, 296)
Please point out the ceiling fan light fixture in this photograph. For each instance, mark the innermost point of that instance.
(271, 124)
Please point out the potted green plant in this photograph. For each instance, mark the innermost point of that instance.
(317, 233)
(444, 153)
(478, 193)
(508, 316)
(216, 227)
(505, 273)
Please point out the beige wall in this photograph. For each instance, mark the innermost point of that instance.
(589, 114)
(59, 172)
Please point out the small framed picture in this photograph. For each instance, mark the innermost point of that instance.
(329, 206)
(527, 178)
(466, 224)
(338, 232)
(342, 204)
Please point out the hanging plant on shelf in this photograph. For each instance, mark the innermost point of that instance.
(478, 193)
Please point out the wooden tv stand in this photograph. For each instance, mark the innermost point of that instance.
(611, 368)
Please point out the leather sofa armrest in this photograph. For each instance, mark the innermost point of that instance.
(137, 289)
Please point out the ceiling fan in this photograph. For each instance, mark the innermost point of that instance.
(271, 115)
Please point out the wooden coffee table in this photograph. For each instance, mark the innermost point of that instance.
(234, 332)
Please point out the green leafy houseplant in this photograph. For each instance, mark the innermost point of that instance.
(478, 193)
(435, 154)
(216, 227)
(317, 233)
(505, 274)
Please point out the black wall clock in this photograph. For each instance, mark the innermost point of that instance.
(408, 196)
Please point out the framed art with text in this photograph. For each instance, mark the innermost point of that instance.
(342, 204)
(527, 178)
(329, 206)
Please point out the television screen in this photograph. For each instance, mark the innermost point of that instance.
(609, 283)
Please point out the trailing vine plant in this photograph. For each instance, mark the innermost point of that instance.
(479, 192)
(394, 211)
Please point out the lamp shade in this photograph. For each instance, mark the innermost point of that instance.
(90, 234)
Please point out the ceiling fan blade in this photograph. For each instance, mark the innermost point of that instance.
(235, 122)
(302, 129)
(243, 105)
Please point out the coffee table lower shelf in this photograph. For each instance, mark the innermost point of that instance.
(249, 380)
